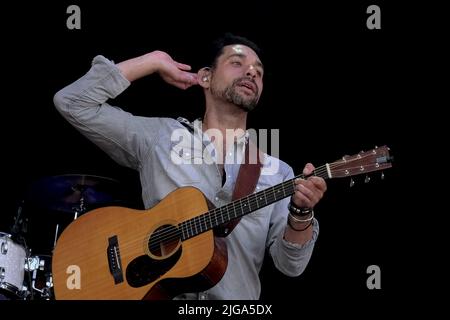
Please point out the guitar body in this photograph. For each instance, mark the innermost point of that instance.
(105, 253)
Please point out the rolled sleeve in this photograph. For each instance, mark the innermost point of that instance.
(290, 258)
(124, 137)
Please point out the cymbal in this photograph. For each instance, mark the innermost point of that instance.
(74, 192)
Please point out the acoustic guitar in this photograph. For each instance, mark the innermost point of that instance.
(172, 248)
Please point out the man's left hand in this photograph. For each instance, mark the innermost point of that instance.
(308, 192)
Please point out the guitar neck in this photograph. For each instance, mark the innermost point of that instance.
(241, 207)
(361, 163)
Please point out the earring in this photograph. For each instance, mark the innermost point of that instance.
(205, 79)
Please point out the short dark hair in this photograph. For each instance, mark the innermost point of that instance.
(216, 49)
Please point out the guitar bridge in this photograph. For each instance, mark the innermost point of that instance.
(114, 261)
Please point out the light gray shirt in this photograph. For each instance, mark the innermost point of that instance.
(147, 145)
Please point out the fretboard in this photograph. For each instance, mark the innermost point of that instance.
(238, 208)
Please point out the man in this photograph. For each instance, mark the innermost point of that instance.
(232, 85)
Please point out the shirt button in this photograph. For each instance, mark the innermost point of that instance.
(217, 198)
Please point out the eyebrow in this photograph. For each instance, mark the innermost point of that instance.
(241, 55)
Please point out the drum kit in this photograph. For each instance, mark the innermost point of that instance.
(26, 251)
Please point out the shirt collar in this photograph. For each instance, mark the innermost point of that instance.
(197, 126)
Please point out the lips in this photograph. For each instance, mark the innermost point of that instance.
(248, 84)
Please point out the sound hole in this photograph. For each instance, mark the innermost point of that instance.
(164, 241)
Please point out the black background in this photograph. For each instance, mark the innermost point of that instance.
(332, 87)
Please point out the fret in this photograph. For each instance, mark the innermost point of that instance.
(200, 224)
(222, 220)
(282, 187)
(259, 200)
(228, 213)
(256, 202)
(269, 195)
(277, 194)
(182, 231)
(204, 221)
(218, 216)
(234, 209)
(249, 205)
(221, 216)
(215, 218)
(265, 198)
(244, 205)
(189, 228)
(210, 221)
(242, 208)
(195, 226)
(274, 193)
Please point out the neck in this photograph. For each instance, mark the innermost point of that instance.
(224, 116)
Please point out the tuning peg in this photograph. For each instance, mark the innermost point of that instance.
(367, 179)
(352, 182)
(382, 175)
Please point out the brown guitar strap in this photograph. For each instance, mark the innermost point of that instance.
(249, 173)
(247, 179)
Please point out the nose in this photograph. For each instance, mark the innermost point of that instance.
(251, 71)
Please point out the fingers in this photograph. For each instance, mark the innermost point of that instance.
(319, 183)
(308, 192)
(307, 196)
(182, 66)
(184, 80)
(309, 168)
(301, 201)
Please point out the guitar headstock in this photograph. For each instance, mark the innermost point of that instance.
(361, 163)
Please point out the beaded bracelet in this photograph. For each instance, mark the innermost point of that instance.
(292, 227)
(298, 211)
(296, 219)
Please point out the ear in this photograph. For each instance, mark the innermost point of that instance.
(204, 76)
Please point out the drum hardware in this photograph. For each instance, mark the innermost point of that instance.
(59, 200)
(36, 265)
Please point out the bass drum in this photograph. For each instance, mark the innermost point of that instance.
(12, 268)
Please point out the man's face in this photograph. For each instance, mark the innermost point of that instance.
(238, 77)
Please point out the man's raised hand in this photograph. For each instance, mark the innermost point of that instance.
(173, 72)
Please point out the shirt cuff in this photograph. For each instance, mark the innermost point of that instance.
(110, 76)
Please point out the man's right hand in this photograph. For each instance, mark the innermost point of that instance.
(171, 71)
(175, 73)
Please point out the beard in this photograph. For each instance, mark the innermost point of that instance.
(231, 94)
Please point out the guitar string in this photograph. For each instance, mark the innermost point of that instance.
(174, 233)
(217, 213)
(252, 200)
(249, 201)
